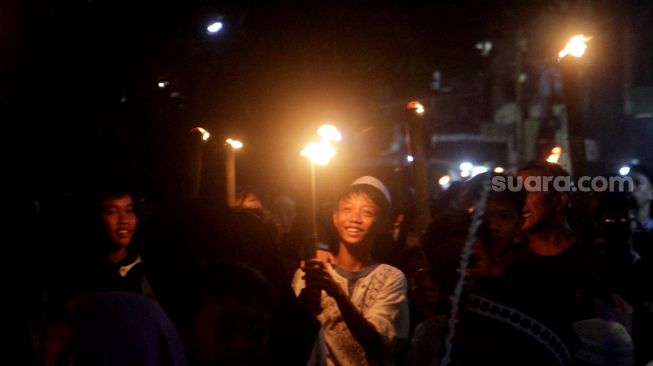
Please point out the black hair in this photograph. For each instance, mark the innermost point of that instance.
(223, 281)
(373, 193)
(472, 189)
(544, 168)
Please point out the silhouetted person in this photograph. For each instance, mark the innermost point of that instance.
(227, 321)
(113, 329)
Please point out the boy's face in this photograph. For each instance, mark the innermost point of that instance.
(356, 220)
(119, 216)
(504, 222)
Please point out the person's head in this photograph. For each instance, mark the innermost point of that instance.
(642, 185)
(125, 328)
(248, 199)
(543, 209)
(286, 208)
(118, 214)
(502, 217)
(613, 224)
(362, 212)
(229, 317)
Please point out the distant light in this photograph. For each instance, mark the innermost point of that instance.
(162, 84)
(417, 106)
(444, 180)
(575, 47)
(329, 133)
(479, 170)
(205, 134)
(234, 143)
(553, 158)
(465, 173)
(466, 166)
(624, 170)
(409, 158)
(485, 47)
(499, 170)
(556, 150)
(214, 27)
(319, 153)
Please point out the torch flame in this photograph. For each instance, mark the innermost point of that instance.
(205, 134)
(234, 143)
(320, 153)
(575, 47)
(329, 133)
(417, 106)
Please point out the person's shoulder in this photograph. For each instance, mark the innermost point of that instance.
(392, 274)
(383, 267)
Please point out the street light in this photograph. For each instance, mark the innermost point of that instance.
(230, 169)
(214, 27)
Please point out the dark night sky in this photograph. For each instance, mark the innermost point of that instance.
(79, 97)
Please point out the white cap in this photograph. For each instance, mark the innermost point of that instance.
(376, 183)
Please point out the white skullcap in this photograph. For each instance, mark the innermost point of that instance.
(376, 183)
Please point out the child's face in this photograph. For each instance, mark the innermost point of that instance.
(119, 216)
(356, 220)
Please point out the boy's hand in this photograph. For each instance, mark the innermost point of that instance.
(324, 256)
(310, 297)
(318, 277)
(321, 255)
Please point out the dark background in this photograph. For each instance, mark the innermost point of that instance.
(79, 100)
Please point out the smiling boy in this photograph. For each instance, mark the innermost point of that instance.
(362, 307)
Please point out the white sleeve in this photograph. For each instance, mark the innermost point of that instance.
(389, 312)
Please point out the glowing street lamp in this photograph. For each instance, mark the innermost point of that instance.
(214, 27)
(231, 146)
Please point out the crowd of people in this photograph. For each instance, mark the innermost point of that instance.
(497, 278)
